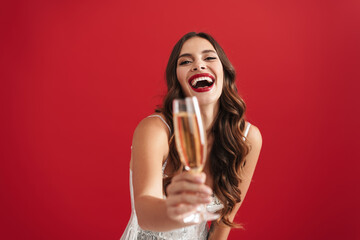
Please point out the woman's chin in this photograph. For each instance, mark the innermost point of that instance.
(207, 100)
(204, 97)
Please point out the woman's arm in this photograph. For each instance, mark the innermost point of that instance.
(220, 231)
(150, 148)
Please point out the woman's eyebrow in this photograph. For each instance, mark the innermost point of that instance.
(185, 55)
(209, 50)
(189, 55)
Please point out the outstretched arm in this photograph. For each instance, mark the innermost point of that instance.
(150, 149)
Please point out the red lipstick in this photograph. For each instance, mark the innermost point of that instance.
(202, 77)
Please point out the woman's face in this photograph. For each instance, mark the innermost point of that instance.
(200, 71)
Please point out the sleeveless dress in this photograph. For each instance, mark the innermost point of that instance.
(195, 232)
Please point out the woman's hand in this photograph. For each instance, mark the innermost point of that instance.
(185, 193)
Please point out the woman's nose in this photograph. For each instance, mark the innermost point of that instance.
(198, 66)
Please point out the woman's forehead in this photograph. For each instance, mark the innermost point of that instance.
(196, 45)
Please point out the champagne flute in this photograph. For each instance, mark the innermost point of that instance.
(190, 142)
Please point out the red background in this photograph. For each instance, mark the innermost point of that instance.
(77, 77)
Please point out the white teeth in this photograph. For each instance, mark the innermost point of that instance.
(194, 81)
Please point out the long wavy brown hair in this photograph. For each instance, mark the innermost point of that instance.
(227, 156)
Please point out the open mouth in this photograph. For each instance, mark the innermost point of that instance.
(202, 82)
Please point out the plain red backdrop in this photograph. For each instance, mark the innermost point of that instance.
(77, 77)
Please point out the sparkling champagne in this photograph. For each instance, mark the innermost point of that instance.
(188, 141)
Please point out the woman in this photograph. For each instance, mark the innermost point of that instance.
(161, 192)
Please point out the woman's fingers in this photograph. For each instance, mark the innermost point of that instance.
(187, 198)
(185, 193)
(184, 186)
(191, 177)
(188, 182)
(180, 211)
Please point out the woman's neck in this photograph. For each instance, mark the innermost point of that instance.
(208, 114)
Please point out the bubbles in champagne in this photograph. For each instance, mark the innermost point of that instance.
(188, 142)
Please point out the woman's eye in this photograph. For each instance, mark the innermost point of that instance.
(210, 58)
(184, 62)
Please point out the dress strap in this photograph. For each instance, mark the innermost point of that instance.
(163, 168)
(246, 131)
(163, 120)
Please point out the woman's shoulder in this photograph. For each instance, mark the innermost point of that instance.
(153, 126)
(150, 141)
(151, 137)
(254, 135)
